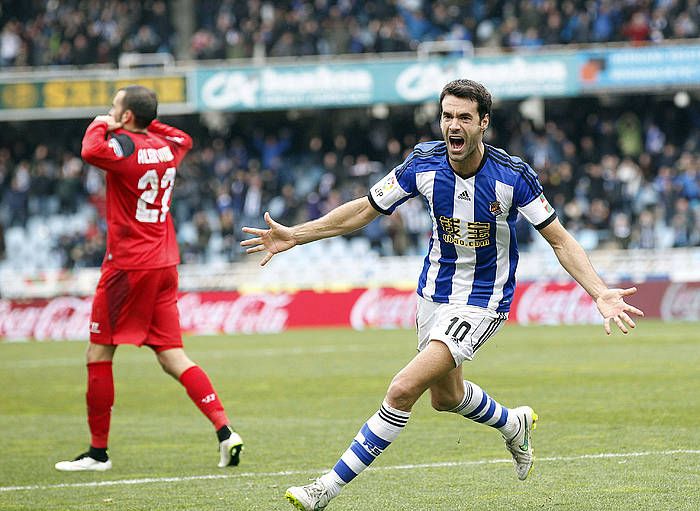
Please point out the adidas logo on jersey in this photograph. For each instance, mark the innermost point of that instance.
(464, 196)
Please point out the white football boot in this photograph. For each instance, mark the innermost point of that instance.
(82, 463)
(312, 497)
(520, 446)
(230, 451)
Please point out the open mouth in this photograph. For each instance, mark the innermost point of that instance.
(456, 142)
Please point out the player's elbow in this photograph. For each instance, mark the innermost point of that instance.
(185, 141)
(90, 155)
(87, 154)
(556, 244)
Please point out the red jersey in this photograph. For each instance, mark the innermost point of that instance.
(140, 177)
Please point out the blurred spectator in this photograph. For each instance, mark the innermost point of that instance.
(69, 188)
(10, 43)
(18, 194)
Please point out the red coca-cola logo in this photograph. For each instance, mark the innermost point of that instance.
(554, 304)
(255, 313)
(380, 308)
(681, 301)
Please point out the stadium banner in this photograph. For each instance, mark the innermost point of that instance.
(230, 312)
(370, 82)
(639, 68)
(42, 96)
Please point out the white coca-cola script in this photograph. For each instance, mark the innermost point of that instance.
(681, 301)
(65, 317)
(552, 304)
(254, 313)
(376, 308)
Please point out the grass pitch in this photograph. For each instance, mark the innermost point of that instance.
(618, 424)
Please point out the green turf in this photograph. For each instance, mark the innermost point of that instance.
(298, 399)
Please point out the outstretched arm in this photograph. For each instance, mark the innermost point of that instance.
(344, 219)
(573, 258)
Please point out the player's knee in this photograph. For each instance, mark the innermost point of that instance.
(99, 353)
(174, 362)
(164, 365)
(402, 394)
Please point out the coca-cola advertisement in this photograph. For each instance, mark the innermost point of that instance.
(681, 301)
(551, 303)
(566, 303)
(61, 318)
(384, 308)
(230, 312)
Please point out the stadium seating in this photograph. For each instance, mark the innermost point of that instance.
(621, 174)
(109, 28)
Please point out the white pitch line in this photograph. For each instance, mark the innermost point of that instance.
(149, 480)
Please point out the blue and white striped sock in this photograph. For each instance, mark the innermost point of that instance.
(478, 406)
(376, 435)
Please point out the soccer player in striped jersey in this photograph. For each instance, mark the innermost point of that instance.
(474, 193)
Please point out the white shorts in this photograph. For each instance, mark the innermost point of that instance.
(463, 328)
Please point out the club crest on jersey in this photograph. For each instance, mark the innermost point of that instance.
(495, 208)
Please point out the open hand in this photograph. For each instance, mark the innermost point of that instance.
(612, 306)
(276, 239)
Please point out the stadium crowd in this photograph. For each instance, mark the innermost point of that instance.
(620, 175)
(617, 179)
(80, 33)
(83, 32)
(323, 27)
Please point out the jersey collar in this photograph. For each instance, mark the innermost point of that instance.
(478, 169)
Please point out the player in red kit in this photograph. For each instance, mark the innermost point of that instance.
(136, 297)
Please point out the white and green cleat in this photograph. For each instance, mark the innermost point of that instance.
(312, 497)
(520, 446)
(230, 451)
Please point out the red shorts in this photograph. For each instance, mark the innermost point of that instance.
(137, 307)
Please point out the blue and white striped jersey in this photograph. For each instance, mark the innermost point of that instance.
(473, 253)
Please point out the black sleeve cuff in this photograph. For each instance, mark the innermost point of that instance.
(547, 222)
(376, 206)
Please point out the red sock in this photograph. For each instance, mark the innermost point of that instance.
(100, 398)
(202, 393)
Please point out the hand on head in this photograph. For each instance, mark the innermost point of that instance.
(111, 123)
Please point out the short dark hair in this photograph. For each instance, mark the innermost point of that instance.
(469, 89)
(142, 102)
